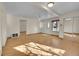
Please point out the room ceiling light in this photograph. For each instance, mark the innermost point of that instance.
(50, 4)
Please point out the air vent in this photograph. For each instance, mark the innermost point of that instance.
(15, 35)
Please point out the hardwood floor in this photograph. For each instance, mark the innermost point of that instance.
(72, 37)
(40, 44)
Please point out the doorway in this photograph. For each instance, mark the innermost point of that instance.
(23, 26)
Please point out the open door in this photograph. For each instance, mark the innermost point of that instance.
(23, 26)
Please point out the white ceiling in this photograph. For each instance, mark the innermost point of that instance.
(66, 7)
(40, 9)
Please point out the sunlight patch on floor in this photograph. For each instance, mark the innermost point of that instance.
(39, 49)
(70, 35)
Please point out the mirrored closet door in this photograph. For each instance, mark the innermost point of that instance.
(68, 28)
(71, 28)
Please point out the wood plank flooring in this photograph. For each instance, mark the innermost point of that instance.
(71, 47)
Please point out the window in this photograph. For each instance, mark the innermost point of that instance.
(55, 25)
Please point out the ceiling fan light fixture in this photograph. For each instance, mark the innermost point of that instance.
(50, 4)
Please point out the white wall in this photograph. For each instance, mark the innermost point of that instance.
(4, 37)
(33, 26)
(71, 26)
(2, 27)
(13, 25)
(0, 36)
(48, 29)
(61, 28)
(67, 25)
(45, 28)
(76, 25)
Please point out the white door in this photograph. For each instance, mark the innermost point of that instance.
(22, 25)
